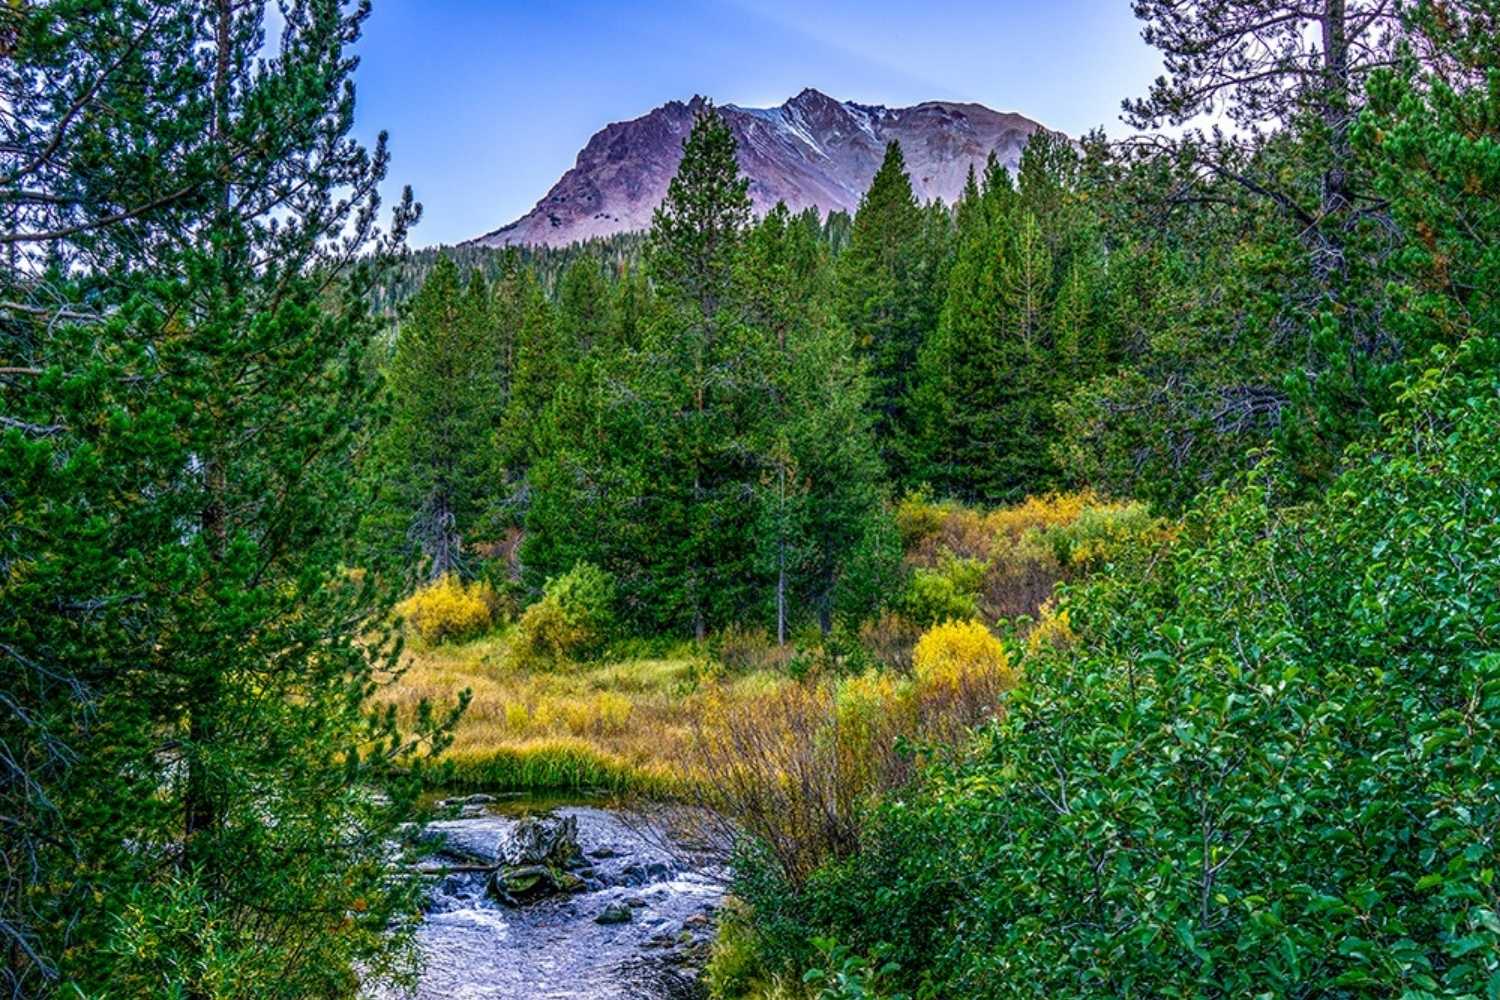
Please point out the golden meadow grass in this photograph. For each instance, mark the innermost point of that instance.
(620, 726)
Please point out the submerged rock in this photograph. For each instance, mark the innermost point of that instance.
(614, 913)
(517, 885)
(534, 856)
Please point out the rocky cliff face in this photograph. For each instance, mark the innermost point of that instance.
(811, 151)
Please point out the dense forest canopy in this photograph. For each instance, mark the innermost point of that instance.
(1125, 534)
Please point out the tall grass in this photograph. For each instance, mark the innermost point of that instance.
(557, 764)
(616, 726)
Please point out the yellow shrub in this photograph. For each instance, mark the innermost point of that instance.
(952, 654)
(546, 636)
(1039, 513)
(517, 718)
(611, 711)
(1104, 532)
(449, 610)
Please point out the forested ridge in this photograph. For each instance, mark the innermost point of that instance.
(1089, 588)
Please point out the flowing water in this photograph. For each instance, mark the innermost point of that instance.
(477, 948)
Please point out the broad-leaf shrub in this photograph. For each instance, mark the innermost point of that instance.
(572, 621)
(449, 610)
(1267, 768)
(949, 590)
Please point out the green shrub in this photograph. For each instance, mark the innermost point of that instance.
(843, 974)
(918, 518)
(572, 621)
(948, 592)
(1265, 768)
(735, 969)
(1100, 532)
(586, 595)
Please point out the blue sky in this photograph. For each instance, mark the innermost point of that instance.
(489, 101)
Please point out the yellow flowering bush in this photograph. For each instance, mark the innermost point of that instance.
(954, 654)
(449, 610)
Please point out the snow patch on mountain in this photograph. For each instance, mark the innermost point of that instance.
(811, 151)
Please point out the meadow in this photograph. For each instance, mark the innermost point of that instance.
(740, 712)
(621, 724)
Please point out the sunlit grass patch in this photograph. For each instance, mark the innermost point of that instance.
(555, 763)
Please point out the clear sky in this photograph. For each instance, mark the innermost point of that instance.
(489, 101)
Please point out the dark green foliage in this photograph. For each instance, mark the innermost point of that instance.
(616, 254)
(722, 469)
(1023, 323)
(696, 231)
(820, 482)
(1268, 767)
(190, 782)
(544, 356)
(445, 383)
(888, 296)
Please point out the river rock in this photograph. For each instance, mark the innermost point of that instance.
(614, 913)
(541, 840)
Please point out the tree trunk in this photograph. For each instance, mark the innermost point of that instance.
(199, 812)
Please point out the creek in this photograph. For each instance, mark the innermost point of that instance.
(631, 916)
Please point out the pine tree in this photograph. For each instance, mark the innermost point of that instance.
(585, 308)
(186, 658)
(701, 382)
(445, 408)
(543, 357)
(697, 229)
(888, 300)
(820, 481)
(1017, 334)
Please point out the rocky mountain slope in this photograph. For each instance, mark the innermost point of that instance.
(810, 151)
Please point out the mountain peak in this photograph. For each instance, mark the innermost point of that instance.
(810, 98)
(810, 151)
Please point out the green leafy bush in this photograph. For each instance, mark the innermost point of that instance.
(948, 592)
(572, 621)
(1265, 768)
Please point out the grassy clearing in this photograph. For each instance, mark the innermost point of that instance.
(624, 725)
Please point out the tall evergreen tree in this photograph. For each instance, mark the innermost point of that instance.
(544, 355)
(445, 405)
(1017, 333)
(704, 382)
(723, 471)
(820, 481)
(888, 299)
(187, 661)
(585, 308)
